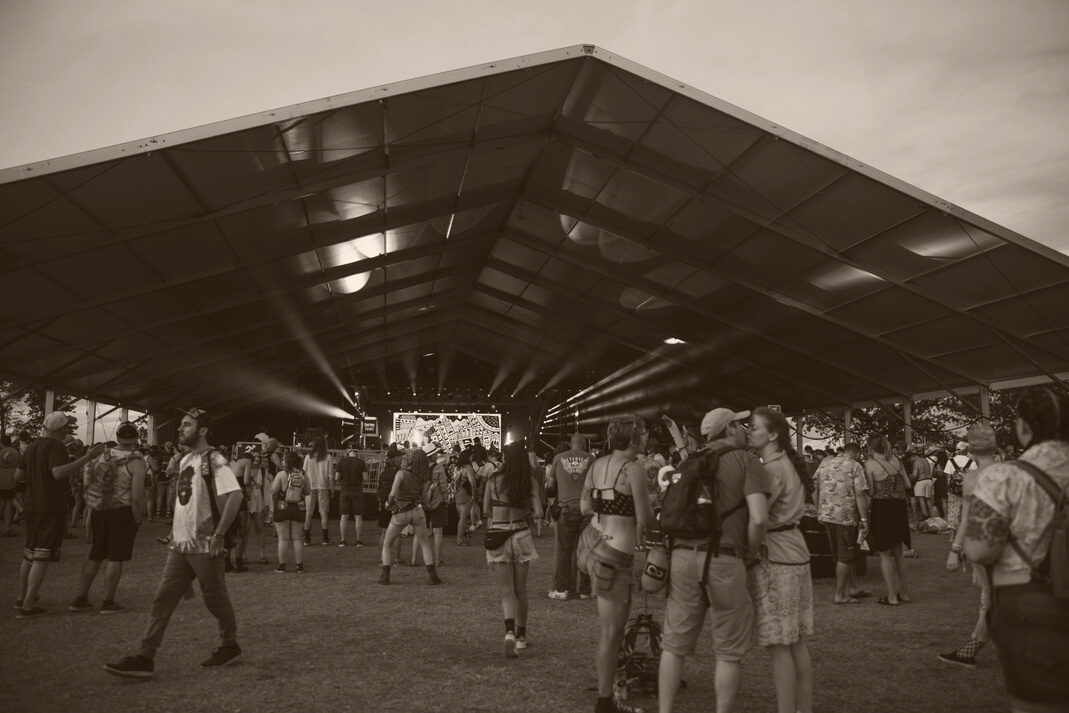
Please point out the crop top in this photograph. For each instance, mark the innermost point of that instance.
(610, 501)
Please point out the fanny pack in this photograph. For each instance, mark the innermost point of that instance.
(497, 538)
(397, 508)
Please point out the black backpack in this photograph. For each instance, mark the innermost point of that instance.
(386, 478)
(688, 507)
(230, 537)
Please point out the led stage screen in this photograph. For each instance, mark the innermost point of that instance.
(448, 428)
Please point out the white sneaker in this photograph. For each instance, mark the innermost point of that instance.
(510, 646)
(554, 594)
(521, 642)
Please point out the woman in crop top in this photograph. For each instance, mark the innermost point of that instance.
(615, 493)
(289, 512)
(511, 492)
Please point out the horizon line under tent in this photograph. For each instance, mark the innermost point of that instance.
(568, 229)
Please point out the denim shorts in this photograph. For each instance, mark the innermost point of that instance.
(609, 568)
(518, 548)
(415, 517)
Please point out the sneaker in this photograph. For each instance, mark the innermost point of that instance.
(262, 560)
(240, 567)
(342, 544)
(953, 658)
(162, 541)
(280, 569)
(31, 613)
(359, 543)
(510, 646)
(223, 656)
(560, 596)
(434, 578)
(111, 608)
(326, 542)
(521, 642)
(18, 604)
(300, 569)
(132, 667)
(585, 597)
(80, 604)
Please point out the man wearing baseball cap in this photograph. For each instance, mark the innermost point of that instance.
(45, 466)
(742, 489)
(197, 548)
(115, 492)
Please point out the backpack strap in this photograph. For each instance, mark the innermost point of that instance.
(211, 487)
(1050, 487)
(709, 554)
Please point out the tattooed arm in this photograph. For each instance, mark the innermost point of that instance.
(986, 532)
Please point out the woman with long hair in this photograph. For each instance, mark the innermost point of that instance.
(406, 498)
(780, 582)
(319, 468)
(464, 495)
(1011, 529)
(254, 486)
(888, 517)
(288, 491)
(615, 494)
(511, 493)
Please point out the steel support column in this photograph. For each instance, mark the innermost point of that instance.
(985, 405)
(907, 418)
(848, 425)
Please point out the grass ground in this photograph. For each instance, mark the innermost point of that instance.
(334, 640)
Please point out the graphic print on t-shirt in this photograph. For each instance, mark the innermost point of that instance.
(574, 466)
(193, 523)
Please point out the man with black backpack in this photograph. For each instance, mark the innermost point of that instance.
(206, 509)
(707, 570)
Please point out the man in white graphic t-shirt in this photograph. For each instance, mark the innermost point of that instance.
(197, 548)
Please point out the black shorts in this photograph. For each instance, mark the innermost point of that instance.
(843, 539)
(44, 536)
(384, 516)
(351, 501)
(114, 531)
(438, 516)
(285, 511)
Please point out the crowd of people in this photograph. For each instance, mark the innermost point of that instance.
(722, 513)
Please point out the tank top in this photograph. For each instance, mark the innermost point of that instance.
(610, 501)
(889, 488)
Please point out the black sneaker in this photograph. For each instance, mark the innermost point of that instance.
(280, 569)
(359, 543)
(80, 604)
(223, 656)
(132, 667)
(342, 544)
(327, 542)
(18, 605)
(31, 613)
(300, 569)
(111, 608)
(953, 658)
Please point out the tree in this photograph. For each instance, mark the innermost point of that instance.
(933, 421)
(25, 409)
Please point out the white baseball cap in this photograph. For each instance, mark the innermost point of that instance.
(717, 420)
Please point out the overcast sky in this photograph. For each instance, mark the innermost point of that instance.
(966, 99)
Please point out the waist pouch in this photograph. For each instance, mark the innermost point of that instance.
(497, 538)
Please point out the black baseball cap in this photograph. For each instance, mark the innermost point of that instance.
(202, 417)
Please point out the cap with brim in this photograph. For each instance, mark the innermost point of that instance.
(9, 457)
(55, 421)
(962, 446)
(202, 417)
(431, 449)
(717, 420)
(127, 433)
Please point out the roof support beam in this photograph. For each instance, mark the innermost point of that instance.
(802, 237)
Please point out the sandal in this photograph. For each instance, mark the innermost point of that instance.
(860, 594)
(886, 601)
(851, 600)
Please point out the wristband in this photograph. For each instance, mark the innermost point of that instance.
(955, 548)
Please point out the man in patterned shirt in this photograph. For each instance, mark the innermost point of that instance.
(843, 506)
(565, 482)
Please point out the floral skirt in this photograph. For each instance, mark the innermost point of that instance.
(783, 602)
(954, 511)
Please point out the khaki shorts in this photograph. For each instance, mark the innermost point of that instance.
(684, 612)
(924, 488)
(609, 568)
(323, 495)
